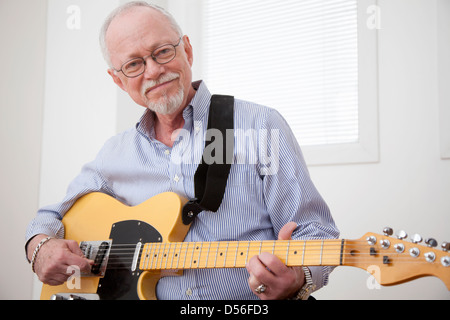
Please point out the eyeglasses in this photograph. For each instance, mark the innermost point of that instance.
(161, 55)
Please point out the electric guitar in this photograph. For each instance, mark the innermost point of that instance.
(133, 247)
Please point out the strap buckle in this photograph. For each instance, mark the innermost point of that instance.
(190, 210)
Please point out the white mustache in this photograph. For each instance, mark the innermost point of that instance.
(152, 83)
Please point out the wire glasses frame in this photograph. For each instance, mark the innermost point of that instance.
(161, 55)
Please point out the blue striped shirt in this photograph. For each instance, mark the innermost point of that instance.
(268, 186)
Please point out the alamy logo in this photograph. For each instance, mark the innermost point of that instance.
(258, 147)
(374, 20)
(73, 21)
(74, 281)
(372, 283)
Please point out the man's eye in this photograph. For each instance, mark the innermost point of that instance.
(163, 52)
(132, 65)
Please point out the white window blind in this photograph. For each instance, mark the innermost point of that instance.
(297, 56)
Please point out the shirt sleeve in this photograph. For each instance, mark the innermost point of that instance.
(289, 192)
(48, 219)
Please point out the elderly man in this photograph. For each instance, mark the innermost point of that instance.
(151, 60)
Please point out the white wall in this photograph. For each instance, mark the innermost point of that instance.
(409, 188)
(22, 56)
(79, 107)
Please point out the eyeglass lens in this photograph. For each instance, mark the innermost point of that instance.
(161, 55)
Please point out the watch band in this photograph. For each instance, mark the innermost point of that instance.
(307, 288)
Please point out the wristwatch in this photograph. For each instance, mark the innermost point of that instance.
(307, 289)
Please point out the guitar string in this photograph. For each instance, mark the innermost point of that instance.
(216, 246)
(187, 251)
(175, 247)
(230, 263)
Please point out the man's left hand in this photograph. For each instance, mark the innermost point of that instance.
(280, 281)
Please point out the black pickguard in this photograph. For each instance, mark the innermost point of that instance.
(119, 282)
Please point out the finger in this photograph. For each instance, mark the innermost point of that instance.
(84, 263)
(286, 232)
(260, 271)
(74, 247)
(273, 263)
(80, 262)
(254, 284)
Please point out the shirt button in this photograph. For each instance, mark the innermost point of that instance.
(197, 129)
(176, 178)
(167, 151)
(189, 292)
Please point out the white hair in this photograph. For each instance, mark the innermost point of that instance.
(124, 8)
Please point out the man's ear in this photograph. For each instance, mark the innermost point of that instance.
(116, 79)
(188, 50)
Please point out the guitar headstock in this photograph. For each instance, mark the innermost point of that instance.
(394, 260)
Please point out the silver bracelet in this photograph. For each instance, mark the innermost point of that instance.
(307, 289)
(35, 252)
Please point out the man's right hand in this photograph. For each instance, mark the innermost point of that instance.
(55, 257)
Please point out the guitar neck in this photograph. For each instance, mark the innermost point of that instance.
(235, 254)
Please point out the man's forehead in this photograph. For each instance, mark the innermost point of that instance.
(138, 26)
(135, 19)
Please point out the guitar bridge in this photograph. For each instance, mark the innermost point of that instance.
(98, 251)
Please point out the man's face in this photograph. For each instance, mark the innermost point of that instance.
(161, 88)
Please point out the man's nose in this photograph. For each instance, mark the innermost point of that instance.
(153, 69)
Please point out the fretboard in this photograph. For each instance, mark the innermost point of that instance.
(235, 254)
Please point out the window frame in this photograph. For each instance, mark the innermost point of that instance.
(443, 78)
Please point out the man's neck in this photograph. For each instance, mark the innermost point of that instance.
(166, 127)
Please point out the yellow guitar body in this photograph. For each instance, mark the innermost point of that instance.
(93, 217)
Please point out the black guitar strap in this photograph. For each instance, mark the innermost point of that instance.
(211, 177)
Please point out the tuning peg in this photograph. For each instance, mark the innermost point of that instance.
(402, 235)
(431, 242)
(416, 238)
(445, 246)
(388, 231)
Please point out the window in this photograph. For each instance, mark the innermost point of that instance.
(300, 57)
(313, 60)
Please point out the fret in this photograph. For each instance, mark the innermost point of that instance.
(185, 254)
(178, 255)
(150, 256)
(287, 253)
(196, 259)
(217, 252)
(242, 250)
(279, 249)
(207, 255)
(235, 254)
(198, 248)
(246, 255)
(153, 254)
(321, 253)
(192, 255)
(172, 256)
(303, 254)
(226, 254)
(167, 254)
(294, 253)
(144, 257)
(161, 255)
(254, 249)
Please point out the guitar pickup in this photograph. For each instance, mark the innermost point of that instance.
(78, 296)
(98, 251)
